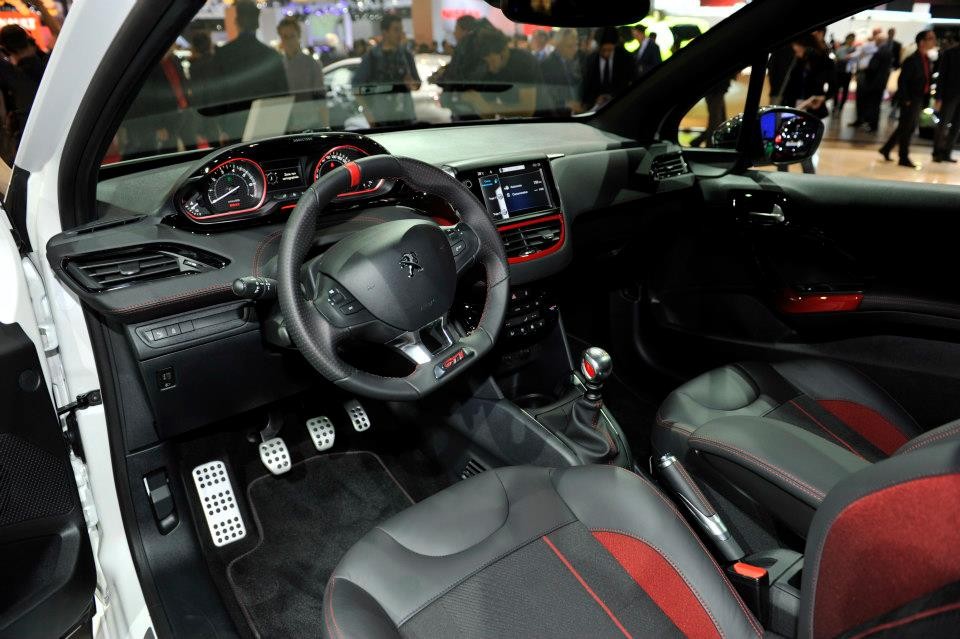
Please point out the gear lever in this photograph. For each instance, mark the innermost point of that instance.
(586, 429)
(596, 366)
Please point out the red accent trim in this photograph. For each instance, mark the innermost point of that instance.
(794, 303)
(872, 425)
(825, 429)
(902, 622)
(589, 370)
(287, 207)
(263, 197)
(662, 582)
(316, 171)
(885, 550)
(748, 571)
(354, 174)
(537, 220)
(586, 587)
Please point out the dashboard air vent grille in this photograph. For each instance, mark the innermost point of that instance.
(667, 166)
(528, 240)
(114, 269)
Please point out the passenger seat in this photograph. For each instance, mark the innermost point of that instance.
(775, 438)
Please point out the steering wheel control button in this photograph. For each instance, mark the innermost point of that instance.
(350, 308)
(358, 415)
(275, 456)
(215, 493)
(458, 248)
(166, 378)
(321, 432)
(451, 362)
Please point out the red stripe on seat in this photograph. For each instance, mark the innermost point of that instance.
(587, 587)
(873, 426)
(885, 550)
(661, 581)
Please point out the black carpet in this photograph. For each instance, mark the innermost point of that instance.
(308, 518)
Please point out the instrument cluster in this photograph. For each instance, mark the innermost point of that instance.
(270, 176)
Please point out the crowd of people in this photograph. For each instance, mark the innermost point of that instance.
(812, 74)
(560, 72)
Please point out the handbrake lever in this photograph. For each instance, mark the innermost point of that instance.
(703, 512)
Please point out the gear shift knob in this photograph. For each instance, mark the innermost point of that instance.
(595, 366)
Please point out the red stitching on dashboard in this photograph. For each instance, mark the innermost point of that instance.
(200, 292)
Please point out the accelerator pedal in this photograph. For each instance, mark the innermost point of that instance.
(358, 415)
(220, 509)
(275, 455)
(321, 432)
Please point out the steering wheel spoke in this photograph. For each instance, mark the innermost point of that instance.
(423, 345)
(464, 244)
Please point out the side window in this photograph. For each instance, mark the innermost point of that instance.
(724, 100)
(888, 96)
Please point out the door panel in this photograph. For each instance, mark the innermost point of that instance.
(46, 564)
(860, 271)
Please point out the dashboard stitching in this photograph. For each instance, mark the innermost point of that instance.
(200, 292)
(260, 248)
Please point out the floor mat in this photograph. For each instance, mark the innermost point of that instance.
(308, 518)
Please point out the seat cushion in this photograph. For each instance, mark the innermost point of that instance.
(523, 552)
(830, 400)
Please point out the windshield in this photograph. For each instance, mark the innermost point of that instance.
(243, 71)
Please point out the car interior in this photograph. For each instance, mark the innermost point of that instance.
(555, 377)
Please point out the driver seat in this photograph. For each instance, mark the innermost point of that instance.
(598, 551)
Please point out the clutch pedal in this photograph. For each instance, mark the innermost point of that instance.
(219, 503)
(275, 455)
(358, 415)
(322, 432)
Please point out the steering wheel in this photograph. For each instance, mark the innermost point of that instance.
(391, 284)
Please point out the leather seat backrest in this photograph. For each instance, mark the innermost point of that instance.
(883, 553)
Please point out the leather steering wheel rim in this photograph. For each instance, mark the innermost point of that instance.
(318, 339)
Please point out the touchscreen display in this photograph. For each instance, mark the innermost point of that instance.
(513, 190)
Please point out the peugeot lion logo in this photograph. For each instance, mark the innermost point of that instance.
(410, 263)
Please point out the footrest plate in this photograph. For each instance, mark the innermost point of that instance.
(219, 503)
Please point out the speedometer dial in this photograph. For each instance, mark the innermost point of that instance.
(339, 156)
(235, 186)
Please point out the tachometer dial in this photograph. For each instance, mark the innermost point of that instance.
(337, 157)
(235, 186)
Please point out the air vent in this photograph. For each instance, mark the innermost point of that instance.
(115, 269)
(668, 166)
(472, 469)
(532, 239)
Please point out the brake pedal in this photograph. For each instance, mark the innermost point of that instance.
(220, 509)
(275, 455)
(358, 415)
(321, 432)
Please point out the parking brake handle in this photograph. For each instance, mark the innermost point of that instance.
(679, 481)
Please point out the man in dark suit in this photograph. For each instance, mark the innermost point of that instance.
(648, 54)
(947, 104)
(912, 89)
(607, 71)
(895, 48)
(247, 69)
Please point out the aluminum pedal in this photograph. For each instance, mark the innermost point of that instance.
(322, 432)
(358, 415)
(219, 503)
(275, 455)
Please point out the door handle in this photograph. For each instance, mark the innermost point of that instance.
(773, 216)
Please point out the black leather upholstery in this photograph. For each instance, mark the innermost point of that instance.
(514, 552)
(775, 438)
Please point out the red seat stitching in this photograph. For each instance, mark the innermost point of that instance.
(797, 483)
(827, 430)
(923, 440)
(587, 587)
(902, 622)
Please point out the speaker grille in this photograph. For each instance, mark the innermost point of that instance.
(33, 483)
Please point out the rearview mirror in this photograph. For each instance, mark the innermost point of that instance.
(573, 13)
(785, 136)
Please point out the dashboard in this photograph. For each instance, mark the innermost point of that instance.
(266, 177)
